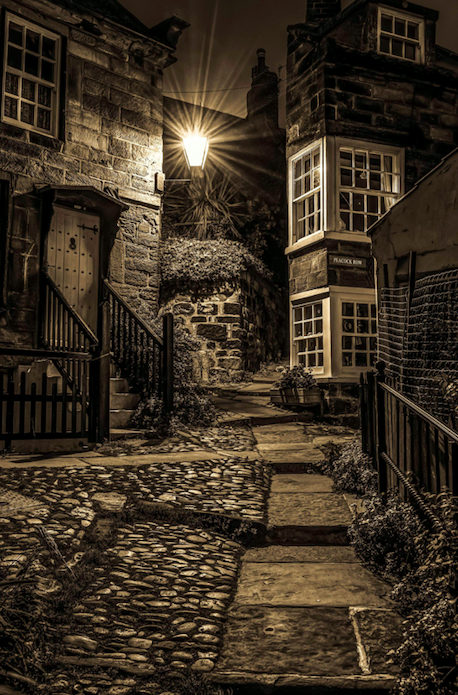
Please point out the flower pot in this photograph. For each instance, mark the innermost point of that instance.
(305, 398)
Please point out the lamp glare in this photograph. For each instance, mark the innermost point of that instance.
(195, 149)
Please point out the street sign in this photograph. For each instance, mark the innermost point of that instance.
(347, 261)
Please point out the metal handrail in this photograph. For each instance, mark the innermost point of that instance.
(133, 314)
(90, 335)
(46, 354)
(422, 413)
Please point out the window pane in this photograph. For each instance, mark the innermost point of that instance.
(32, 41)
(413, 31)
(319, 326)
(312, 360)
(348, 309)
(400, 27)
(346, 177)
(358, 202)
(320, 358)
(360, 179)
(308, 312)
(297, 188)
(347, 342)
(375, 162)
(373, 310)
(297, 314)
(345, 220)
(388, 163)
(28, 90)
(362, 326)
(31, 64)
(11, 108)
(44, 119)
(360, 343)
(49, 48)
(373, 344)
(360, 160)
(11, 83)
(298, 330)
(375, 182)
(311, 344)
(345, 201)
(308, 328)
(302, 359)
(318, 310)
(15, 34)
(346, 158)
(347, 359)
(362, 310)
(372, 204)
(47, 71)
(361, 359)
(44, 95)
(348, 325)
(373, 326)
(14, 59)
(411, 51)
(385, 44)
(358, 223)
(320, 343)
(307, 163)
(27, 113)
(387, 23)
(396, 47)
(371, 220)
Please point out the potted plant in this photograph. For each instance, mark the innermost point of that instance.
(297, 387)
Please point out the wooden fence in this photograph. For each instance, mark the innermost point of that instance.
(412, 450)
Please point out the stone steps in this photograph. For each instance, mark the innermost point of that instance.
(123, 402)
(307, 617)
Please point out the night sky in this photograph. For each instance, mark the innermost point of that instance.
(219, 48)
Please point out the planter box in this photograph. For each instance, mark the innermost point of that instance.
(304, 398)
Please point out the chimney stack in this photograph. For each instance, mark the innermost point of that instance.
(262, 99)
(319, 11)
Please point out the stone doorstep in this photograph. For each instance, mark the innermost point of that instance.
(307, 510)
(308, 535)
(245, 683)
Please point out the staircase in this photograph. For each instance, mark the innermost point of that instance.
(123, 402)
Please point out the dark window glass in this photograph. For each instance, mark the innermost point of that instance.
(358, 202)
(372, 204)
(308, 312)
(32, 41)
(348, 325)
(48, 48)
(44, 95)
(373, 326)
(358, 223)
(297, 188)
(360, 179)
(400, 27)
(11, 108)
(411, 51)
(319, 326)
(348, 309)
(320, 343)
(347, 342)
(14, 59)
(373, 310)
(387, 23)
(318, 309)
(347, 359)
(375, 162)
(362, 326)
(371, 220)
(413, 31)
(47, 71)
(28, 90)
(360, 343)
(345, 217)
(361, 359)
(373, 344)
(44, 119)
(27, 113)
(15, 34)
(375, 182)
(320, 359)
(345, 201)
(31, 64)
(11, 83)
(384, 44)
(396, 47)
(362, 310)
(312, 360)
(346, 177)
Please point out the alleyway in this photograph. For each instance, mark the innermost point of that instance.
(157, 589)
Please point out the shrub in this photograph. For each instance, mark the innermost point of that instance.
(191, 263)
(298, 377)
(351, 470)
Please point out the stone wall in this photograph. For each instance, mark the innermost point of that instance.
(111, 140)
(342, 87)
(238, 325)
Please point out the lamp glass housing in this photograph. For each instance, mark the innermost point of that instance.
(195, 148)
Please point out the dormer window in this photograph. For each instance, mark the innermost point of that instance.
(31, 76)
(400, 35)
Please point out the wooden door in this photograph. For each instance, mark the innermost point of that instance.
(73, 260)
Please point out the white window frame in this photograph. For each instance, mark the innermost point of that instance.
(21, 75)
(293, 200)
(340, 296)
(310, 298)
(405, 17)
(398, 177)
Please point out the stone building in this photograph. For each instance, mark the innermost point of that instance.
(371, 107)
(80, 163)
(240, 322)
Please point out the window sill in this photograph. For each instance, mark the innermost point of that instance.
(360, 237)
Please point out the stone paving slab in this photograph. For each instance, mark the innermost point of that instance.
(303, 455)
(297, 509)
(289, 433)
(379, 631)
(310, 584)
(300, 482)
(318, 641)
(317, 553)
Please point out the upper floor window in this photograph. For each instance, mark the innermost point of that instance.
(400, 35)
(370, 183)
(306, 193)
(31, 68)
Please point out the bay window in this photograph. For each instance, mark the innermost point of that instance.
(308, 334)
(306, 193)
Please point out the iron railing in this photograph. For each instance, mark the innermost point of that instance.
(412, 450)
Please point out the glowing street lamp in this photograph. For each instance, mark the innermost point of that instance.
(195, 148)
